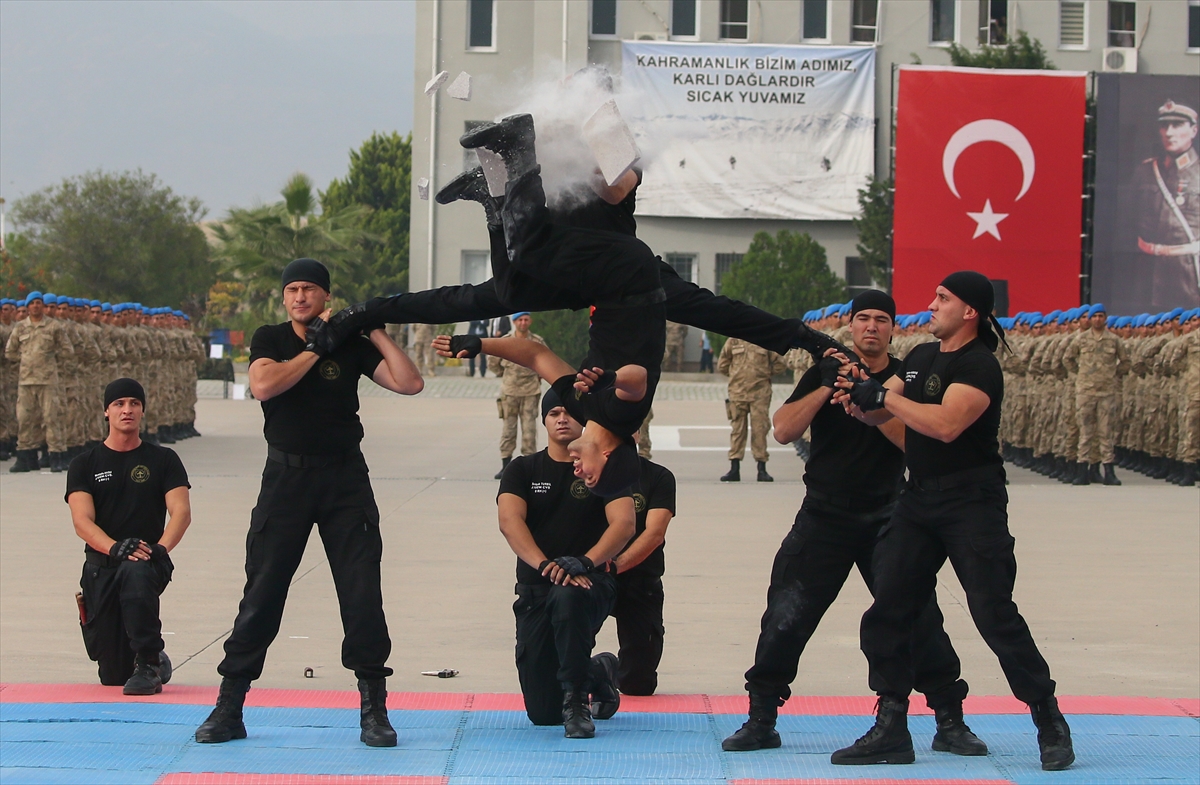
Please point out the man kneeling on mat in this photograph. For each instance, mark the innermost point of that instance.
(119, 493)
(565, 538)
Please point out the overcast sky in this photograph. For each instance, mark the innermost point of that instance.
(222, 100)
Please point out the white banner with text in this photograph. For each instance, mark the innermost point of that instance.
(751, 130)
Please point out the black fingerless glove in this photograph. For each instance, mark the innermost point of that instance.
(816, 343)
(471, 344)
(829, 367)
(606, 379)
(158, 552)
(868, 395)
(123, 549)
(574, 566)
(318, 338)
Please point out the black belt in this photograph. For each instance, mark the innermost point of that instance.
(850, 503)
(957, 479)
(306, 461)
(98, 559)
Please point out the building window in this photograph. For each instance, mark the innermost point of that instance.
(481, 22)
(993, 22)
(858, 276)
(684, 264)
(864, 21)
(475, 267)
(1072, 24)
(941, 21)
(1194, 25)
(683, 18)
(735, 19)
(1122, 22)
(725, 263)
(814, 24)
(604, 18)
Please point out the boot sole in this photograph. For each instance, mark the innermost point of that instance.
(1059, 766)
(378, 743)
(154, 691)
(941, 746)
(889, 757)
(769, 744)
(239, 733)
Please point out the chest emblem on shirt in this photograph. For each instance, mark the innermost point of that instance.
(579, 489)
(639, 502)
(140, 473)
(329, 370)
(933, 385)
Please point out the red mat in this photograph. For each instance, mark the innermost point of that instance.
(667, 704)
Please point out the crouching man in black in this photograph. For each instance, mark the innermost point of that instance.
(119, 493)
(853, 478)
(564, 537)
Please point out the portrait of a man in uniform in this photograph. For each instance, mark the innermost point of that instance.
(1167, 190)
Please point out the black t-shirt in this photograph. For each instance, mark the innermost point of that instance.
(621, 417)
(564, 517)
(655, 491)
(850, 460)
(589, 211)
(319, 415)
(128, 489)
(927, 373)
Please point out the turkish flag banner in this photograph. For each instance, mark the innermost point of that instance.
(989, 177)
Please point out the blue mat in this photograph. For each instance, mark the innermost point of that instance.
(138, 743)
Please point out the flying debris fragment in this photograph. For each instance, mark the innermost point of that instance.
(423, 188)
(460, 88)
(611, 142)
(494, 170)
(433, 84)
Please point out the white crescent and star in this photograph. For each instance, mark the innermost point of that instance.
(988, 221)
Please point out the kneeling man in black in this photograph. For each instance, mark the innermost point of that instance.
(853, 477)
(119, 493)
(564, 537)
(954, 506)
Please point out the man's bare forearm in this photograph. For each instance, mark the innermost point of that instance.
(792, 419)
(269, 378)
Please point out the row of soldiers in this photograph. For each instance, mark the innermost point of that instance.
(60, 352)
(1085, 392)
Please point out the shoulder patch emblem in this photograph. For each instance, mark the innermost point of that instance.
(329, 370)
(639, 502)
(140, 473)
(579, 489)
(933, 385)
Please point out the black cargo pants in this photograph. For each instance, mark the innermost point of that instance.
(121, 601)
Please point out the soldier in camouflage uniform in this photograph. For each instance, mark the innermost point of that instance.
(8, 383)
(1098, 359)
(749, 368)
(520, 396)
(39, 345)
(673, 354)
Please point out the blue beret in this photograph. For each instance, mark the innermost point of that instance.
(1098, 308)
(1174, 312)
(21, 303)
(106, 306)
(93, 303)
(923, 317)
(5, 301)
(33, 296)
(50, 299)
(830, 310)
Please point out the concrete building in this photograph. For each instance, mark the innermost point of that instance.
(505, 43)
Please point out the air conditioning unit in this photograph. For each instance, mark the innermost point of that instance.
(1120, 60)
(651, 37)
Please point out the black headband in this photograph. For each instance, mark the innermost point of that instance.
(124, 388)
(874, 300)
(976, 290)
(308, 270)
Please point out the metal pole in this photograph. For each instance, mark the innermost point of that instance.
(564, 37)
(2, 218)
(433, 105)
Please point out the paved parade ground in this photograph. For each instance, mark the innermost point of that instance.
(1109, 581)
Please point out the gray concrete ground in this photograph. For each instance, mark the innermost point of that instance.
(1109, 577)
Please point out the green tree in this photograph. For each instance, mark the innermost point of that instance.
(255, 244)
(1021, 51)
(380, 177)
(566, 332)
(874, 226)
(115, 236)
(785, 274)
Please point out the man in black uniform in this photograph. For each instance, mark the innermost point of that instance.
(948, 395)
(315, 472)
(565, 538)
(853, 477)
(119, 492)
(639, 606)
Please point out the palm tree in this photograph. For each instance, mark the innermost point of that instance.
(255, 244)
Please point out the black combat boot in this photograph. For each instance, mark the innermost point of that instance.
(512, 139)
(1189, 475)
(192, 429)
(1094, 473)
(758, 731)
(5, 451)
(164, 435)
(145, 679)
(606, 699)
(165, 669)
(953, 733)
(1057, 467)
(377, 731)
(150, 437)
(26, 462)
(887, 742)
(1110, 475)
(762, 473)
(43, 459)
(576, 714)
(472, 187)
(225, 721)
(504, 462)
(1079, 476)
(58, 462)
(734, 474)
(1054, 737)
(1159, 469)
